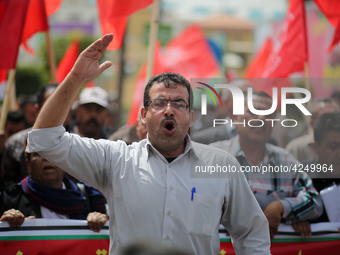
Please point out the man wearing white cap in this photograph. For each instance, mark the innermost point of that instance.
(91, 112)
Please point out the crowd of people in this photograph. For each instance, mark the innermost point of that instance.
(68, 164)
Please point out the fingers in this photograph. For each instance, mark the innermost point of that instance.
(303, 228)
(106, 40)
(105, 66)
(14, 218)
(273, 231)
(97, 48)
(271, 234)
(30, 217)
(96, 221)
(87, 66)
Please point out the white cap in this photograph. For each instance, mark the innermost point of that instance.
(94, 95)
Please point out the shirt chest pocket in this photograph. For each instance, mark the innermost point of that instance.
(203, 215)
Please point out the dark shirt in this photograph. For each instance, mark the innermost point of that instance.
(13, 167)
(320, 184)
(15, 197)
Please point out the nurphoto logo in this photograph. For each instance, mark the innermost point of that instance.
(238, 107)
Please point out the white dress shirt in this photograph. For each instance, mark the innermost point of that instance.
(150, 198)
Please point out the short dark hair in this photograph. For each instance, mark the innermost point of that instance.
(15, 117)
(27, 99)
(325, 123)
(42, 91)
(168, 79)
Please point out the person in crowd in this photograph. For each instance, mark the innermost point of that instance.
(91, 113)
(283, 196)
(15, 122)
(327, 149)
(301, 147)
(147, 184)
(47, 193)
(224, 111)
(130, 134)
(27, 105)
(336, 96)
(13, 167)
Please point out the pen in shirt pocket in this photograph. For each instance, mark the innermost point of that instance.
(193, 191)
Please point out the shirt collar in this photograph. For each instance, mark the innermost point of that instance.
(269, 155)
(152, 150)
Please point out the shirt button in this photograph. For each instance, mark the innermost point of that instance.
(171, 188)
(169, 213)
(166, 238)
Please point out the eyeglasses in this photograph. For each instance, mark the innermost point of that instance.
(159, 104)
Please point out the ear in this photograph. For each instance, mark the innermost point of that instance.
(192, 117)
(143, 115)
(36, 108)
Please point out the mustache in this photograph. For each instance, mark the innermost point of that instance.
(169, 118)
(92, 121)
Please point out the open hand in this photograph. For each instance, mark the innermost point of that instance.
(87, 66)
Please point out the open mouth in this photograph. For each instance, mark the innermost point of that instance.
(169, 126)
(48, 168)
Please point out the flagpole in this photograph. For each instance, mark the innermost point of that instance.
(12, 103)
(152, 38)
(51, 58)
(4, 110)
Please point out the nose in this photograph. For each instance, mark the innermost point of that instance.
(168, 109)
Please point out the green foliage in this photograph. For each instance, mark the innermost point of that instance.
(29, 79)
(60, 45)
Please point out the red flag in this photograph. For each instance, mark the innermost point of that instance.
(12, 20)
(129, 7)
(52, 6)
(67, 61)
(256, 67)
(36, 21)
(290, 52)
(190, 55)
(113, 16)
(331, 9)
(138, 90)
(3, 79)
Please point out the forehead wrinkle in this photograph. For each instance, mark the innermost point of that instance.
(170, 95)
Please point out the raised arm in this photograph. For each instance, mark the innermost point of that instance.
(86, 68)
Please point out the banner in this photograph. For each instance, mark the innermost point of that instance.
(55, 237)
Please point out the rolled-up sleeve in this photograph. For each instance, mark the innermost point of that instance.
(84, 158)
(305, 204)
(44, 139)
